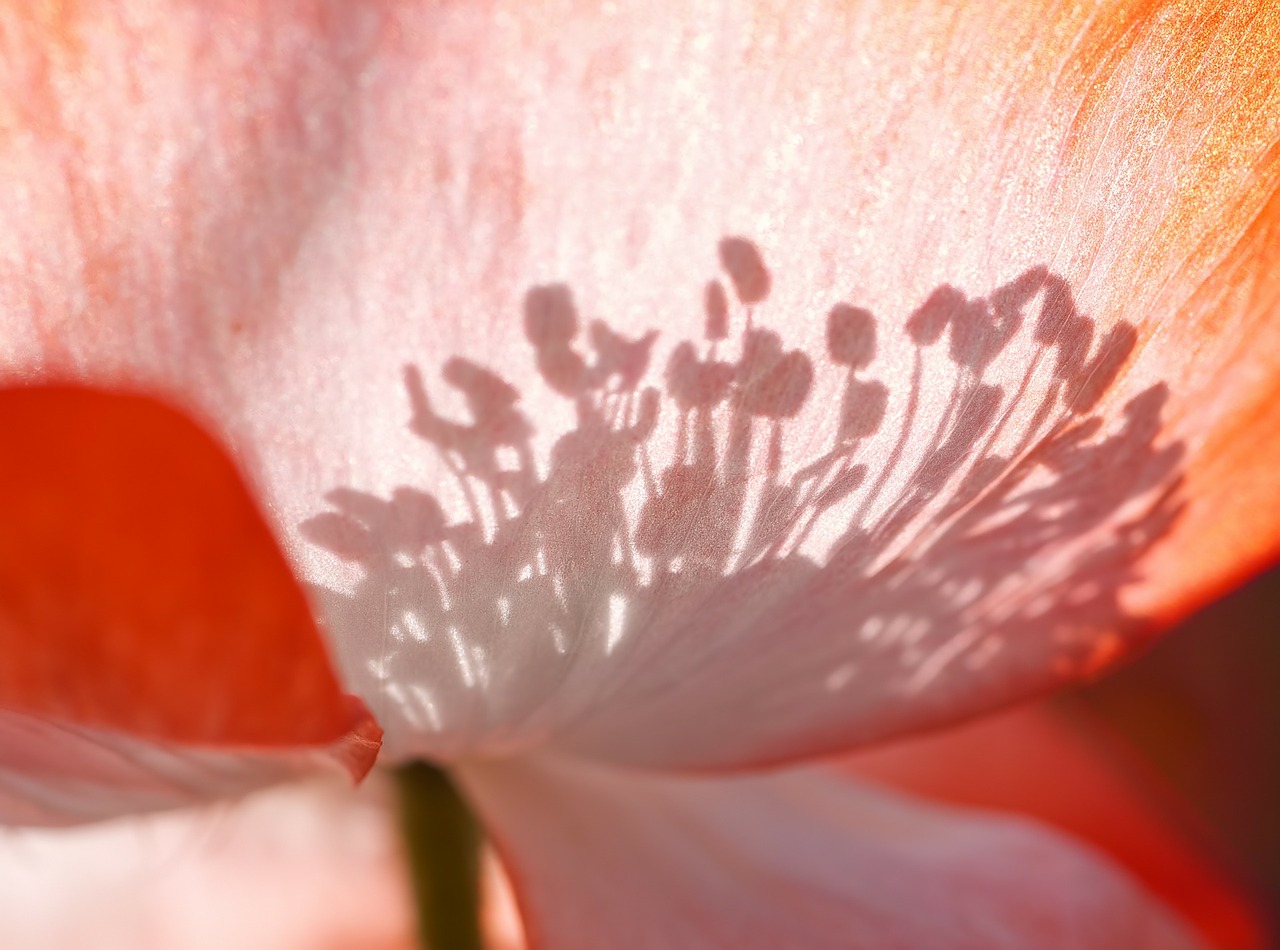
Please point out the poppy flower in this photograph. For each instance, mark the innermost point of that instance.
(651, 404)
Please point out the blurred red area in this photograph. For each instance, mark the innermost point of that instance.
(142, 589)
(1169, 765)
(1202, 710)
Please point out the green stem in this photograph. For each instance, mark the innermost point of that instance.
(443, 841)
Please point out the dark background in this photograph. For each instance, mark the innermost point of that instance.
(1203, 708)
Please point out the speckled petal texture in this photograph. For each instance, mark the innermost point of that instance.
(704, 388)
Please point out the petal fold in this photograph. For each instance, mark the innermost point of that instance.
(308, 867)
(806, 859)
(1072, 774)
(144, 600)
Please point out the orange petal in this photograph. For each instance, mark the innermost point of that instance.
(1233, 529)
(141, 593)
(800, 859)
(1031, 761)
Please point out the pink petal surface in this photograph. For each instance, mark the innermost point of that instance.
(309, 867)
(60, 773)
(1074, 775)
(805, 859)
(985, 408)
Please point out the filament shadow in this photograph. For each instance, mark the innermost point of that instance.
(669, 571)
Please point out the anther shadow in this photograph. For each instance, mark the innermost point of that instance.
(679, 585)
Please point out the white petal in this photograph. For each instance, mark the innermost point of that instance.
(56, 773)
(308, 867)
(801, 860)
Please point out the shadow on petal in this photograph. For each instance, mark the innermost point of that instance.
(746, 552)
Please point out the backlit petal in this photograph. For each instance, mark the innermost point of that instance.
(144, 609)
(699, 390)
(802, 860)
(1033, 761)
(310, 867)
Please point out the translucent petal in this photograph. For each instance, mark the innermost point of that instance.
(706, 389)
(146, 613)
(309, 867)
(804, 859)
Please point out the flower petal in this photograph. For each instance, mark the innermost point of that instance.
(309, 867)
(1033, 761)
(778, 378)
(146, 609)
(805, 859)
